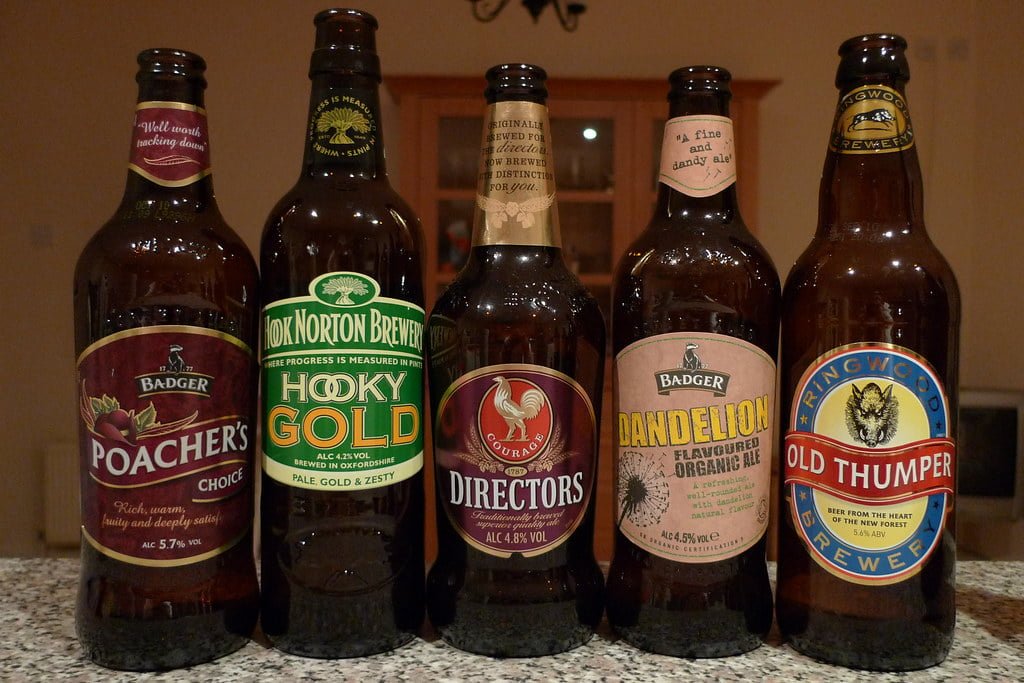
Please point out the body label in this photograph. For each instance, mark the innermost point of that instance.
(871, 119)
(694, 429)
(516, 456)
(170, 143)
(343, 126)
(342, 386)
(698, 155)
(868, 465)
(166, 444)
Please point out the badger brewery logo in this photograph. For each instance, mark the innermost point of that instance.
(692, 373)
(176, 375)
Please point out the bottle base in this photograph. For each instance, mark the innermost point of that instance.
(508, 631)
(873, 646)
(691, 638)
(316, 648)
(127, 645)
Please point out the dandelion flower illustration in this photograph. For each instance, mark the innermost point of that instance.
(643, 492)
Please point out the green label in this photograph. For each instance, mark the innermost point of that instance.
(342, 386)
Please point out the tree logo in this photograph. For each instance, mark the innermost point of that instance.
(338, 122)
(344, 290)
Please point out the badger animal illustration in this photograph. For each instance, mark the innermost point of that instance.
(872, 414)
(691, 361)
(876, 119)
(175, 361)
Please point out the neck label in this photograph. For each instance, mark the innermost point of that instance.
(872, 119)
(516, 188)
(170, 143)
(342, 126)
(698, 155)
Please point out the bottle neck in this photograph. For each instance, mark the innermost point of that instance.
(515, 202)
(872, 178)
(697, 174)
(169, 158)
(344, 135)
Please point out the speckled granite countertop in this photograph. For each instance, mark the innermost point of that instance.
(37, 642)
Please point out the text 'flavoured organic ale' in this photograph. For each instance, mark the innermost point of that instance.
(695, 326)
(869, 387)
(342, 376)
(165, 332)
(516, 353)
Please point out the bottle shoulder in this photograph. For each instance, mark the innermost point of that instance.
(179, 243)
(852, 267)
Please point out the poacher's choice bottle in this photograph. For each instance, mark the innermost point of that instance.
(695, 325)
(342, 376)
(165, 333)
(871, 316)
(516, 353)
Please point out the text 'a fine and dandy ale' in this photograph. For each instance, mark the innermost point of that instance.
(342, 376)
(165, 331)
(515, 352)
(869, 380)
(695, 323)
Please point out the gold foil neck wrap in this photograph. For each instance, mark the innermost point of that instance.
(515, 194)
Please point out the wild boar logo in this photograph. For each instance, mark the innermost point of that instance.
(872, 414)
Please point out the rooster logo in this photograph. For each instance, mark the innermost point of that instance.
(516, 414)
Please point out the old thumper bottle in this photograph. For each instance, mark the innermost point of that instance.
(516, 354)
(871, 315)
(165, 332)
(695, 325)
(342, 377)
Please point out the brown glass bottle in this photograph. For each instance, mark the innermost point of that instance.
(165, 332)
(342, 497)
(871, 315)
(516, 353)
(695, 323)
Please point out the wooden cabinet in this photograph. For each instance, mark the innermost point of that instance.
(606, 138)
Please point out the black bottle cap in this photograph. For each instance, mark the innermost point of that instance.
(345, 44)
(165, 61)
(516, 82)
(873, 57)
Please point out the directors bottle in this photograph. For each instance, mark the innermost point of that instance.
(516, 353)
(871, 316)
(165, 333)
(342, 376)
(695, 324)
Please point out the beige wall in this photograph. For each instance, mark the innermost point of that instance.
(67, 94)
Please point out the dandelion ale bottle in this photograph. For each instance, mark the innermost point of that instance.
(516, 353)
(695, 324)
(342, 499)
(871, 315)
(165, 332)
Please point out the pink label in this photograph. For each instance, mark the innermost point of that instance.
(694, 435)
(166, 442)
(516, 458)
(170, 144)
(698, 155)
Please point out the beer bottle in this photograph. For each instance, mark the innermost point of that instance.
(165, 333)
(871, 314)
(342, 376)
(516, 355)
(695, 324)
